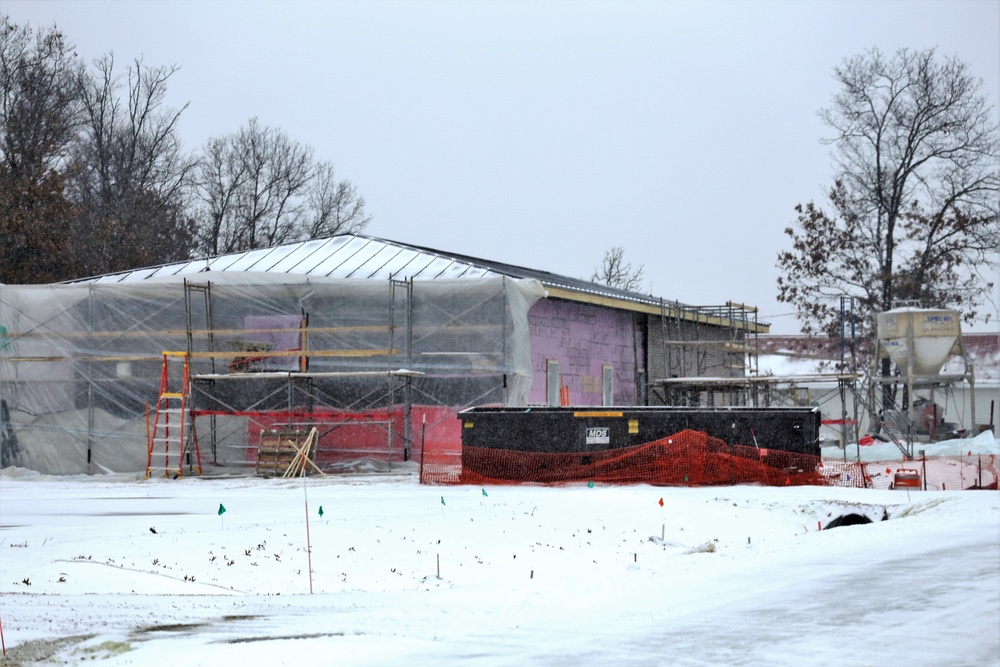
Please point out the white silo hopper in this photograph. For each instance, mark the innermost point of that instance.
(935, 335)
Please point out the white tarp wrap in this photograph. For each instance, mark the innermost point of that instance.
(79, 363)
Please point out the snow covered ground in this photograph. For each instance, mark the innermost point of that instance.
(130, 572)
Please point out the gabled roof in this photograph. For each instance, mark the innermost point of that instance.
(358, 256)
(342, 256)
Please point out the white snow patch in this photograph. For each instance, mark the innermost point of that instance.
(149, 573)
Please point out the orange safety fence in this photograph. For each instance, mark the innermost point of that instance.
(938, 473)
(688, 458)
(693, 458)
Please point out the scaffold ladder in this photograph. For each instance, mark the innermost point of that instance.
(172, 435)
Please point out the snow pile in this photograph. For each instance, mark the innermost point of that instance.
(212, 572)
(984, 443)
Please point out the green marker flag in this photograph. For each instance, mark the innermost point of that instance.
(321, 511)
(590, 485)
(222, 509)
(486, 494)
(442, 500)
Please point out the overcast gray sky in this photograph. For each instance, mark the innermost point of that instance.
(544, 133)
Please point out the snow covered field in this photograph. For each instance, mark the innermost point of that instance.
(131, 572)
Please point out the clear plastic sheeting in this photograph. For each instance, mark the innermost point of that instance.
(81, 365)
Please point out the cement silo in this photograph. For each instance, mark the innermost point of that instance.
(919, 341)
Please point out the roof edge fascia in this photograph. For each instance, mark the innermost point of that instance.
(686, 315)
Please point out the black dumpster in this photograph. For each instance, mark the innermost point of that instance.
(589, 429)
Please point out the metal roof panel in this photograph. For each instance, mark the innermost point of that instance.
(307, 255)
(398, 265)
(251, 260)
(367, 257)
(223, 262)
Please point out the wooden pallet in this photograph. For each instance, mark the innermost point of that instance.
(280, 453)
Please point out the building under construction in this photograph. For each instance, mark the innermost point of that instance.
(195, 366)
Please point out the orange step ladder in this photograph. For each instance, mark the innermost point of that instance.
(172, 436)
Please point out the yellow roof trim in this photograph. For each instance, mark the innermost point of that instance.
(652, 309)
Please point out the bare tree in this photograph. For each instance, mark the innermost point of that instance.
(334, 206)
(132, 183)
(260, 188)
(221, 176)
(94, 179)
(252, 185)
(913, 212)
(615, 272)
(277, 172)
(39, 117)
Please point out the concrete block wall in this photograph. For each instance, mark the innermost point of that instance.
(583, 338)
